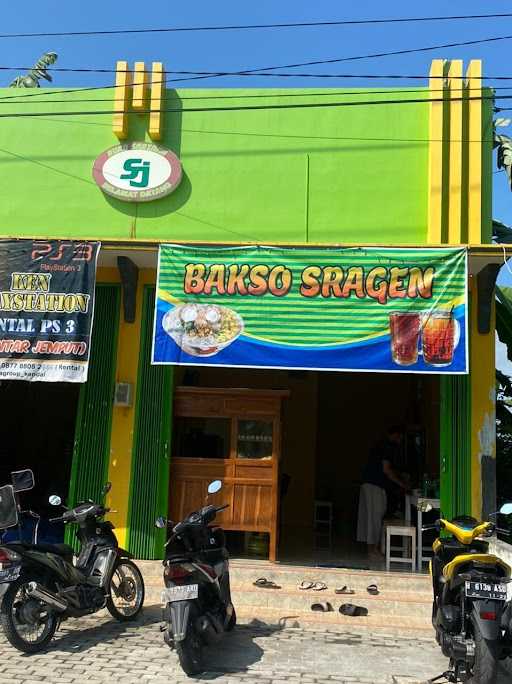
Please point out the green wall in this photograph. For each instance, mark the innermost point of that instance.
(326, 174)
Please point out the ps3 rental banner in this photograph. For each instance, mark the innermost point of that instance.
(46, 309)
(360, 309)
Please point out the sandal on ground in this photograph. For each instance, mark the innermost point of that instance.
(322, 607)
(373, 589)
(305, 585)
(353, 611)
(344, 590)
(319, 586)
(264, 583)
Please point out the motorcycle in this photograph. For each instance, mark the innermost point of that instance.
(197, 599)
(42, 584)
(470, 613)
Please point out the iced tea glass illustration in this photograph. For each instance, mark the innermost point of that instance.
(441, 332)
(404, 327)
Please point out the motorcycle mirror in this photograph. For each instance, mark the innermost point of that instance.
(107, 488)
(54, 500)
(160, 523)
(506, 509)
(22, 480)
(214, 487)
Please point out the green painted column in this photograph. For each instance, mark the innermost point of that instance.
(89, 470)
(149, 483)
(455, 447)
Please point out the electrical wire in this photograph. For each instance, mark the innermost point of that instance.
(257, 107)
(244, 27)
(324, 93)
(336, 60)
(287, 135)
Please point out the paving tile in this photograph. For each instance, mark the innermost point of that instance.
(99, 650)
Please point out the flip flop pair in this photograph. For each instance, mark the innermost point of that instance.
(264, 583)
(314, 586)
(346, 609)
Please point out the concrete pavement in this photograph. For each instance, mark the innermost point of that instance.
(98, 649)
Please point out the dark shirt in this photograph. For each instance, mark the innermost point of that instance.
(373, 472)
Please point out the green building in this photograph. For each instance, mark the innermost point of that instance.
(303, 168)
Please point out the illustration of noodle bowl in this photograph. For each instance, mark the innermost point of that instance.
(202, 329)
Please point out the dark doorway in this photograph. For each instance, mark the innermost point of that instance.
(37, 430)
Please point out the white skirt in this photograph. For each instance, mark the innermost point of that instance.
(373, 503)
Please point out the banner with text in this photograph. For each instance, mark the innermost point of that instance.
(46, 309)
(360, 309)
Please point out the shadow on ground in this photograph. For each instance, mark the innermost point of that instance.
(238, 652)
(78, 640)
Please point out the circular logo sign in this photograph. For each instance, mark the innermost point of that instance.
(137, 172)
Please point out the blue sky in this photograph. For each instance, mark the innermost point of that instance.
(237, 50)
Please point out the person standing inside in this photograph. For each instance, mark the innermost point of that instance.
(379, 478)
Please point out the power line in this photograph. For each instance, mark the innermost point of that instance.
(58, 91)
(324, 93)
(305, 24)
(255, 71)
(365, 139)
(335, 60)
(255, 107)
(284, 135)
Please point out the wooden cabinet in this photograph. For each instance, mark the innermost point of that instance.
(233, 435)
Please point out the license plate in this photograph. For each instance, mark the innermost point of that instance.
(486, 590)
(185, 593)
(10, 574)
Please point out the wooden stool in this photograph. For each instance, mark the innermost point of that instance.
(406, 532)
(387, 522)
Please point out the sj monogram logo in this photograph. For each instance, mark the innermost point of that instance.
(134, 168)
(137, 172)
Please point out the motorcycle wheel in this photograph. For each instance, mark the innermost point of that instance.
(190, 653)
(485, 668)
(126, 595)
(22, 626)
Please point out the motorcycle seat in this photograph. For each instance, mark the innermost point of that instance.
(63, 550)
(466, 522)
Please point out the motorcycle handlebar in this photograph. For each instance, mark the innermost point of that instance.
(434, 526)
(71, 515)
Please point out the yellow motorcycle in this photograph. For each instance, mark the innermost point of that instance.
(471, 615)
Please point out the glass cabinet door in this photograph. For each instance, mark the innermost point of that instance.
(201, 437)
(255, 439)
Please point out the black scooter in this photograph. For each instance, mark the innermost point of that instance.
(470, 612)
(197, 598)
(41, 585)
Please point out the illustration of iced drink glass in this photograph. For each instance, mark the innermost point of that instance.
(404, 327)
(441, 332)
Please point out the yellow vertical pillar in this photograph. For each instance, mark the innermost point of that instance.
(123, 418)
(483, 403)
(482, 346)
(140, 86)
(157, 90)
(474, 89)
(121, 92)
(455, 83)
(435, 161)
